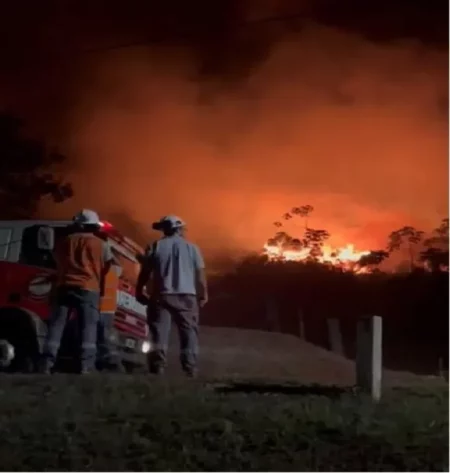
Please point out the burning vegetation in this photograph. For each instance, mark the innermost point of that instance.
(429, 254)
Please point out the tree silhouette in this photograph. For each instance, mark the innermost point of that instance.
(405, 236)
(436, 254)
(296, 244)
(281, 239)
(374, 258)
(303, 211)
(435, 259)
(439, 236)
(26, 172)
(314, 239)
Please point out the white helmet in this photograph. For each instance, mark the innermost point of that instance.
(87, 217)
(169, 222)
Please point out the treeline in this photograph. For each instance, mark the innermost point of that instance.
(422, 250)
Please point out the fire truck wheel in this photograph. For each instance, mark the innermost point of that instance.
(17, 329)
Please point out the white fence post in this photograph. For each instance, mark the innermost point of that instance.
(369, 358)
(335, 336)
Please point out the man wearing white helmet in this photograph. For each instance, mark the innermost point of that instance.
(82, 262)
(175, 271)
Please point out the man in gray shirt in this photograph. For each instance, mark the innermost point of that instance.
(174, 271)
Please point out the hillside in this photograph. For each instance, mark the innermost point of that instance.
(252, 354)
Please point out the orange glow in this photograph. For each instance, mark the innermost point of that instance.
(322, 117)
(346, 258)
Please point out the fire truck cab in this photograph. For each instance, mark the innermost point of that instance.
(26, 261)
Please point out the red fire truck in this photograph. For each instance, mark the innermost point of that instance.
(26, 260)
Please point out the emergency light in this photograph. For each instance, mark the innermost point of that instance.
(106, 226)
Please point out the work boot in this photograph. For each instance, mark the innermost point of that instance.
(191, 373)
(45, 367)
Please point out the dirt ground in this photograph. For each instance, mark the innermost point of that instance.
(256, 354)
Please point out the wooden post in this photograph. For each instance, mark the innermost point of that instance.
(301, 324)
(369, 362)
(335, 336)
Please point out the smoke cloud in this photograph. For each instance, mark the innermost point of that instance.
(324, 117)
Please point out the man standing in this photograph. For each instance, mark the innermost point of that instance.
(175, 271)
(82, 261)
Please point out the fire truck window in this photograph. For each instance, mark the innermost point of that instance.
(5, 240)
(31, 255)
(130, 269)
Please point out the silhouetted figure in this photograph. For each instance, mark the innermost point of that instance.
(178, 288)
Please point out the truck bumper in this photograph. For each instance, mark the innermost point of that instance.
(131, 349)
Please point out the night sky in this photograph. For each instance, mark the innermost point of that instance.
(229, 113)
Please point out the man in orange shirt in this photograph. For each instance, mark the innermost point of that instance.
(83, 259)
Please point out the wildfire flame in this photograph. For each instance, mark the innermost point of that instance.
(346, 258)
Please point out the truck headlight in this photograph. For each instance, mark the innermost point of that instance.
(145, 347)
(7, 353)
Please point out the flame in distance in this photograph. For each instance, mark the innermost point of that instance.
(345, 258)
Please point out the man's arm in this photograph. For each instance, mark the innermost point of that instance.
(144, 277)
(200, 277)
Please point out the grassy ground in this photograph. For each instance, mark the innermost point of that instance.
(119, 423)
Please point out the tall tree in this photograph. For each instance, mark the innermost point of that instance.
(304, 211)
(408, 237)
(315, 239)
(26, 171)
(439, 236)
(435, 254)
(280, 239)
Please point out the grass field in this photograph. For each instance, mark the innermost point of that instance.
(122, 422)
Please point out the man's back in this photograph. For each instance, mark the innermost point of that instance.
(175, 263)
(81, 257)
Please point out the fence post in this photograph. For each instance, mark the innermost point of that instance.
(335, 336)
(301, 324)
(369, 359)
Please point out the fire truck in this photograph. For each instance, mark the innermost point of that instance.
(26, 262)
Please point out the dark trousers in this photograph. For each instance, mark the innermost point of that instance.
(107, 353)
(184, 310)
(85, 304)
